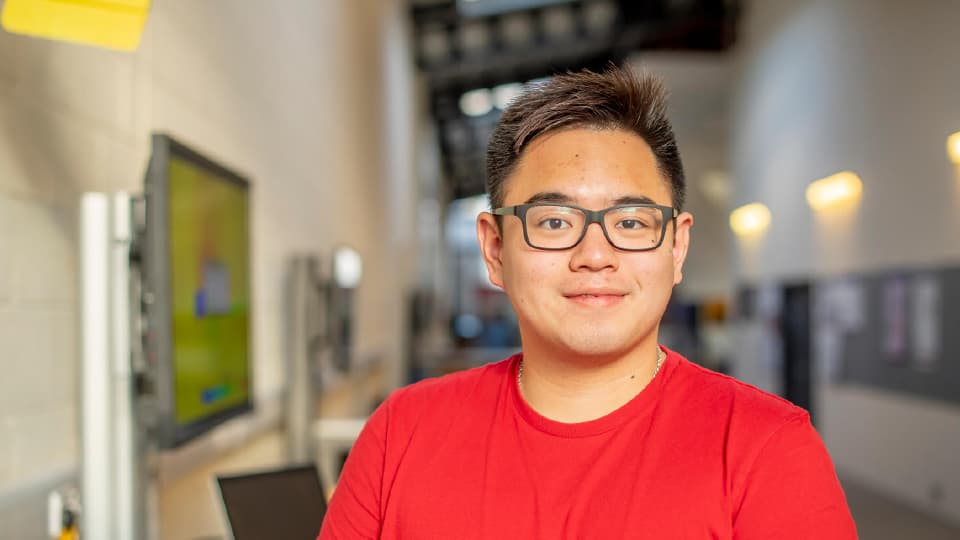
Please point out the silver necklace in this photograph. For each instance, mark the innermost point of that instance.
(660, 357)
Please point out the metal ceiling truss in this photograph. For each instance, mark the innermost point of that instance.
(458, 53)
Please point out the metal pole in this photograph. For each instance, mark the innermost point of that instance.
(113, 461)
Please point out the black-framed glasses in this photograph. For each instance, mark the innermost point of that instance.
(629, 227)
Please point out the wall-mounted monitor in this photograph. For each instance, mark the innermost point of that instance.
(195, 264)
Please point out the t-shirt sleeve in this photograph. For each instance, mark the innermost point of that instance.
(792, 491)
(354, 510)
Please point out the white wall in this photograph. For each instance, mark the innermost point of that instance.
(314, 101)
(700, 87)
(828, 85)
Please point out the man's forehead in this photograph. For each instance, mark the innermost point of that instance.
(587, 164)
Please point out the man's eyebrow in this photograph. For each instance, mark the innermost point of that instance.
(549, 197)
(631, 199)
(560, 198)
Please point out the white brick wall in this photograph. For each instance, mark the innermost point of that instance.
(6, 246)
(7, 59)
(43, 256)
(291, 96)
(38, 388)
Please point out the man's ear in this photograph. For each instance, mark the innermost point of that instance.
(491, 244)
(681, 243)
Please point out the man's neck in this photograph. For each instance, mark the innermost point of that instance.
(589, 388)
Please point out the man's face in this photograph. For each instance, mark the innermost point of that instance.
(593, 299)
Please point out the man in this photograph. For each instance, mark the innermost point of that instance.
(594, 431)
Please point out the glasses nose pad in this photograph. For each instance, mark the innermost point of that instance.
(600, 230)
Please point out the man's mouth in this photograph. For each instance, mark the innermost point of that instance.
(596, 298)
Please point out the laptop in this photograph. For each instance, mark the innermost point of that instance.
(280, 504)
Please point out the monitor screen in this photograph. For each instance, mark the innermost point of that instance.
(197, 274)
(283, 504)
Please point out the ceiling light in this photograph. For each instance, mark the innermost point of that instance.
(716, 186)
(474, 37)
(516, 29)
(476, 102)
(953, 147)
(347, 267)
(558, 22)
(841, 188)
(598, 17)
(505, 93)
(750, 219)
(434, 44)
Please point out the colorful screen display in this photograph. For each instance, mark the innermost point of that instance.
(210, 292)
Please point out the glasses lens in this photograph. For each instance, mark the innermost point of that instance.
(554, 227)
(634, 227)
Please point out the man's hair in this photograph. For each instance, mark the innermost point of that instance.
(615, 99)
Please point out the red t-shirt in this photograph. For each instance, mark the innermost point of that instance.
(695, 455)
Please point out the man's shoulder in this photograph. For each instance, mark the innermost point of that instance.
(727, 395)
(459, 386)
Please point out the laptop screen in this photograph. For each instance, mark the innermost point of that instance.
(281, 504)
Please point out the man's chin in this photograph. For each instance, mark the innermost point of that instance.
(595, 346)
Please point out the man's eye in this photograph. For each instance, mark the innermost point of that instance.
(554, 224)
(632, 224)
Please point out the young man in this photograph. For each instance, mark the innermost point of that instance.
(594, 431)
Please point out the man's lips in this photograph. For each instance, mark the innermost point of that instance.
(595, 297)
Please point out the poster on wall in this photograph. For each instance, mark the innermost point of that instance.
(925, 317)
(895, 319)
(770, 311)
(840, 310)
(909, 341)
